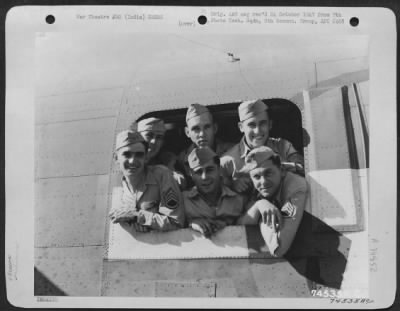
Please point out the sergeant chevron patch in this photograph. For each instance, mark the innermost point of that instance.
(171, 198)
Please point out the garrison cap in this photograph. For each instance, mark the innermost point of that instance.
(126, 138)
(195, 110)
(200, 156)
(256, 157)
(151, 124)
(251, 108)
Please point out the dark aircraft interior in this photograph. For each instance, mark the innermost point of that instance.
(285, 116)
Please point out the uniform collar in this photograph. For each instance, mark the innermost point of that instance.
(148, 180)
(226, 192)
(219, 146)
(192, 193)
(244, 149)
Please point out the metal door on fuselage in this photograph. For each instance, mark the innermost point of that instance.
(336, 158)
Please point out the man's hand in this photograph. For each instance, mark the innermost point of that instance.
(123, 215)
(180, 179)
(270, 214)
(207, 227)
(217, 225)
(129, 225)
(241, 184)
(140, 228)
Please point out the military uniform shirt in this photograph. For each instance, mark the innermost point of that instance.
(233, 160)
(290, 199)
(158, 160)
(230, 206)
(158, 200)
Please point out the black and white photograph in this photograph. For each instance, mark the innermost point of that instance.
(203, 162)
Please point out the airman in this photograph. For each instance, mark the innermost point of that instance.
(278, 200)
(201, 129)
(209, 205)
(255, 125)
(153, 132)
(150, 198)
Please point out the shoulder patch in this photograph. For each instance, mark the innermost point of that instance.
(171, 198)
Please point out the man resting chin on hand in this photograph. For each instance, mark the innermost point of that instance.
(278, 201)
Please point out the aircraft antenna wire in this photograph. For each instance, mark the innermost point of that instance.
(202, 44)
(245, 80)
(230, 54)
